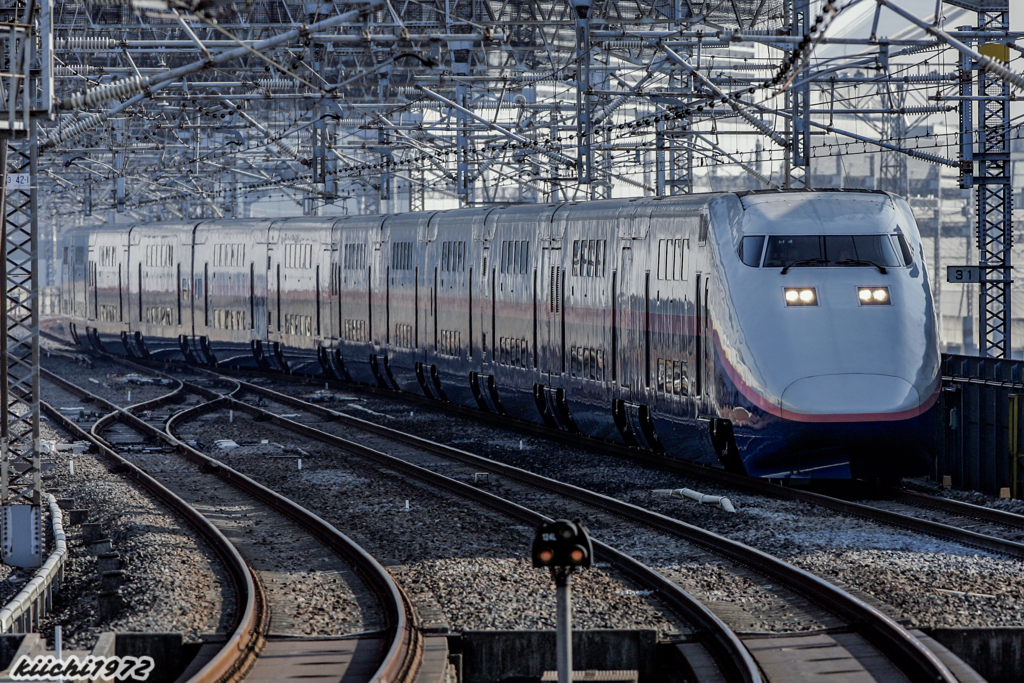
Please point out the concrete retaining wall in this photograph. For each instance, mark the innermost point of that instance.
(492, 656)
(995, 653)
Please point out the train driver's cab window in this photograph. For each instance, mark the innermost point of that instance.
(905, 251)
(798, 251)
(751, 248)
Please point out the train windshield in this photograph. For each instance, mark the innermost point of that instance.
(830, 250)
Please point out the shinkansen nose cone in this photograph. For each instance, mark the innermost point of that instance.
(850, 397)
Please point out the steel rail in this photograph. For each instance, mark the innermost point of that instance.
(721, 643)
(405, 651)
(956, 507)
(235, 658)
(749, 484)
(919, 663)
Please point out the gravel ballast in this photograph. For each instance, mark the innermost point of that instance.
(898, 568)
(473, 563)
(174, 581)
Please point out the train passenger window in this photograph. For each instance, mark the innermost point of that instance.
(401, 255)
(355, 256)
(673, 259)
(661, 374)
(588, 258)
(750, 250)
(514, 259)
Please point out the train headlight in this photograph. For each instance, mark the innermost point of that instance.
(801, 296)
(873, 296)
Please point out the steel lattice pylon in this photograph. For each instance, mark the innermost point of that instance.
(26, 87)
(995, 200)
(20, 490)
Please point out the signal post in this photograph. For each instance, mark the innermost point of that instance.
(563, 546)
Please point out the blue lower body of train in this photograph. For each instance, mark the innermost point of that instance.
(766, 444)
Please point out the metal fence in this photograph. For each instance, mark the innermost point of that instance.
(25, 610)
(982, 400)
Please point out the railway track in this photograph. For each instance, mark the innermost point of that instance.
(264, 645)
(319, 413)
(853, 635)
(713, 653)
(971, 525)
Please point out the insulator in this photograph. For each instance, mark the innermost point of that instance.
(73, 70)
(119, 89)
(278, 84)
(622, 44)
(927, 78)
(921, 110)
(85, 43)
(80, 126)
(538, 78)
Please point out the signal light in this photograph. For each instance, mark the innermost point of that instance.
(562, 544)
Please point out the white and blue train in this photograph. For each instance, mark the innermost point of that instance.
(780, 334)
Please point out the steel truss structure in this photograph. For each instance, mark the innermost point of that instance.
(994, 193)
(470, 101)
(26, 85)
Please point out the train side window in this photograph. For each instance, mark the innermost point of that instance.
(908, 254)
(588, 258)
(751, 247)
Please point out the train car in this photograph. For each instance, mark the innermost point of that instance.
(780, 334)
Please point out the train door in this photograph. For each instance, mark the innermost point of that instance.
(78, 276)
(551, 317)
(704, 351)
(94, 289)
(630, 316)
